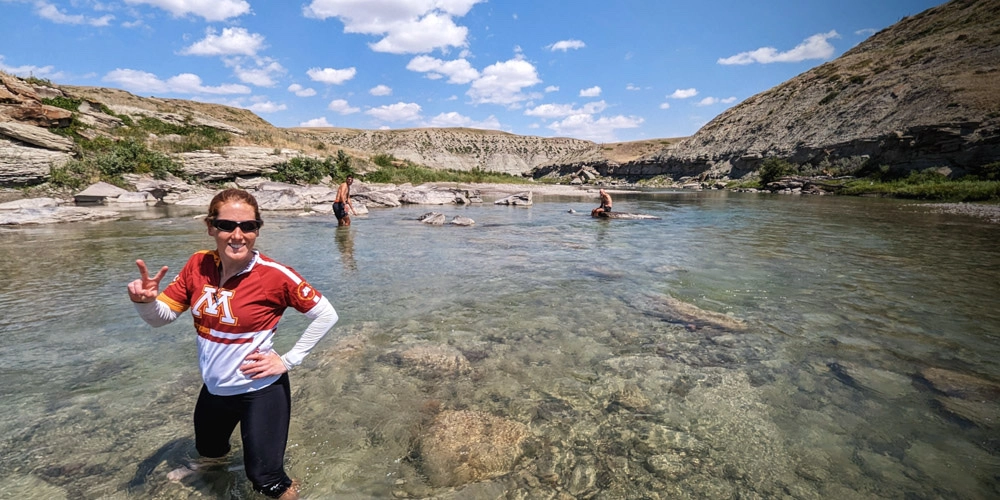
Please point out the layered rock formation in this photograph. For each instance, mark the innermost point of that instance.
(922, 93)
(463, 149)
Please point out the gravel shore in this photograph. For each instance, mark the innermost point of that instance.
(990, 213)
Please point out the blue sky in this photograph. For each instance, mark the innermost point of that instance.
(598, 70)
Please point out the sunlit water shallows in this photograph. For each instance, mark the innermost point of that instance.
(743, 346)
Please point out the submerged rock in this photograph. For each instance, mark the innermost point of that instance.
(679, 311)
(467, 446)
(435, 360)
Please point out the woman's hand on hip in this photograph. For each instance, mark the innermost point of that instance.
(259, 365)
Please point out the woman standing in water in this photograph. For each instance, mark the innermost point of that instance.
(237, 296)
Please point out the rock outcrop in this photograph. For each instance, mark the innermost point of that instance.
(921, 93)
(463, 149)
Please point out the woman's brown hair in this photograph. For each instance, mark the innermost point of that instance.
(229, 195)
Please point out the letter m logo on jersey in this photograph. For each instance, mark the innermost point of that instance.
(215, 302)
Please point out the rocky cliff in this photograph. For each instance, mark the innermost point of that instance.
(922, 93)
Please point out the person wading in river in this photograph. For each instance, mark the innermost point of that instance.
(344, 199)
(236, 296)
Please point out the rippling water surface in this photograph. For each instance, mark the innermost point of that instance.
(743, 346)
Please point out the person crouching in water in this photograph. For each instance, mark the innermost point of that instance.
(237, 296)
(605, 204)
(343, 200)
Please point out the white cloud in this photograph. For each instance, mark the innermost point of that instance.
(458, 71)
(28, 70)
(683, 93)
(341, 106)
(565, 45)
(232, 41)
(185, 83)
(503, 82)
(591, 92)
(331, 76)
(406, 26)
(584, 126)
(267, 107)
(211, 10)
(263, 75)
(550, 111)
(316, 122)
(301, 91)
(551, 88)
(665, 105)
(399, 112)
(454, 119)
(814, 47)
(865, 32)
(48, 11)
(632, 87)
(380, 90)
(708, 101)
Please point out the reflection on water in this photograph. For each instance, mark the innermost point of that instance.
(742, 346)
(345, 243)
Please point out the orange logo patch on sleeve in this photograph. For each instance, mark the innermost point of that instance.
(306, 292)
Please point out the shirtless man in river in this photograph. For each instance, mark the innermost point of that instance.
(605, 204)
(344, 198)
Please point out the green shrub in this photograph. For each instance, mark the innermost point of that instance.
(774, 168)
(383, 160)
(133, 157)
(829, 97)
(302, 170)
(64, 103)
(342, 166)
(936, 189)
(988, 172)
(192, 138)
(74, 174)
(418, 175)
(34, 80)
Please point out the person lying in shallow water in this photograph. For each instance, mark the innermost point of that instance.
(237, 296)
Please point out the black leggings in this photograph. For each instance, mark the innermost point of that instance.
(263, 417)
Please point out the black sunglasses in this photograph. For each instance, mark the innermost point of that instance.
(247, 226)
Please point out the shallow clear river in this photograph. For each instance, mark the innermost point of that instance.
(742, 346)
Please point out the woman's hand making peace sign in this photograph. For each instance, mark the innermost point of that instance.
(145, 289)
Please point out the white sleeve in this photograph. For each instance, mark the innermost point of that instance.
(324, 316)
(156, 313)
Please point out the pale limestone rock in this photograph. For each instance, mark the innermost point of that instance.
(53, 215)
(37, 136)
(467, 446)
(24, 165)
(378, 198)
(230, 162)
(130, 197)
(98, 192)
(432, 218)
(435, 360)
(516, 199)
(31, 203)
(428, 197)
(462, 221)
